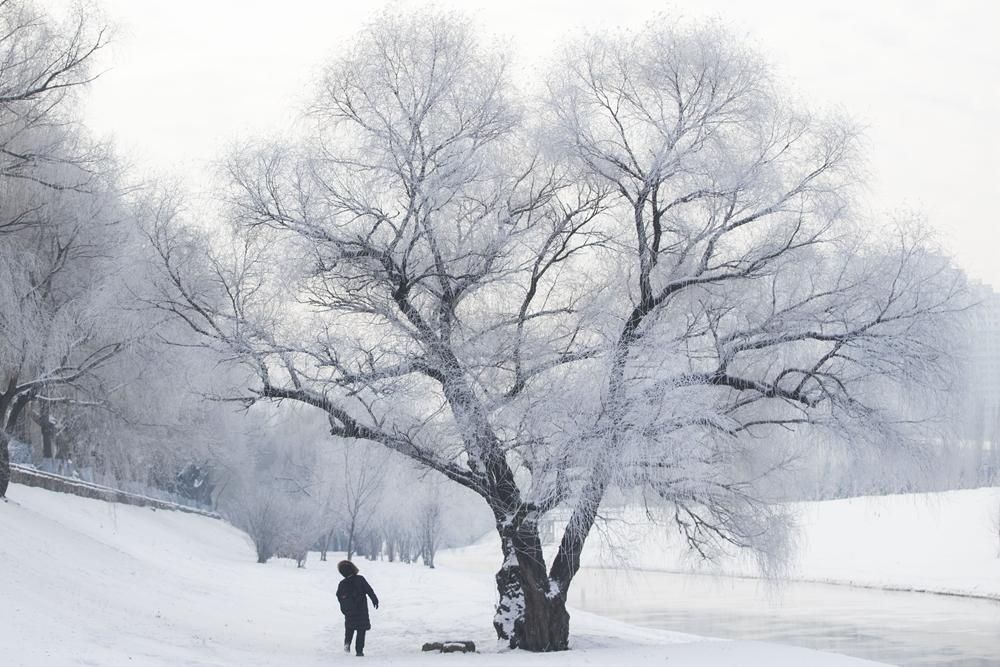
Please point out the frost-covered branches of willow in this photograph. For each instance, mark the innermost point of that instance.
(617, 285)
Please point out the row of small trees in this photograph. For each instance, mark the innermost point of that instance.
(398, 532)
(293, 493)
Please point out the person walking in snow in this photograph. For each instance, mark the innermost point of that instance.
(353, 593)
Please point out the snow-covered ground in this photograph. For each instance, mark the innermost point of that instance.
(83, 582)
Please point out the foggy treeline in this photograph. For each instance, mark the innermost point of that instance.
(293, 491)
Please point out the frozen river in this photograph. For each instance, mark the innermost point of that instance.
(893, 627)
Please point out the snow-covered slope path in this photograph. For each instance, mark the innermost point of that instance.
(83, 582)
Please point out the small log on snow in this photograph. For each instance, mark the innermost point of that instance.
(451, 647)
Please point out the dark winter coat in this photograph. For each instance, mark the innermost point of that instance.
(353, 593)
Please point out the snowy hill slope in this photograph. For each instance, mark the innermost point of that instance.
(83, 582)
(940, 542)
(936, 542)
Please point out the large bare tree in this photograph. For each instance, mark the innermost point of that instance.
(616, 286)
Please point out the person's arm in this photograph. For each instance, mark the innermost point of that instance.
(341, 595)
(371, 593)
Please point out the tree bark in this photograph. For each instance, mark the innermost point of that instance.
(531, 613)
(48, 429)
(17, 423)
(509, 618)
(11, 408)
(546, 621)
(4, 464)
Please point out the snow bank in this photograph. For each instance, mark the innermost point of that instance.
(940, 542)
(83, 582)
(937, 542)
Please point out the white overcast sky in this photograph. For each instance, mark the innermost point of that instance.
(185, 78)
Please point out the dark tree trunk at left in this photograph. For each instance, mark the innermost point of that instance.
(4, 465)
(8, 415)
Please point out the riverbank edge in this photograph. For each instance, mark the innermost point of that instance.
(991, 597)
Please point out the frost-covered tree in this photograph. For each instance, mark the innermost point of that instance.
(329, 495)
(430, 523)
(616, 287)
(262, 515)
(300, 530)
(362, 483)
(54, 213)
(272, 490)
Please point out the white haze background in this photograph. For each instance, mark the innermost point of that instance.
(187, 78)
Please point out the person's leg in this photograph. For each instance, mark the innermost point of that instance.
(359, 645)
(348, 636)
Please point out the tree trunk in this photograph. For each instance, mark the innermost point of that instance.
(531, 613)
(546, 621)
(530, 617)
(509, 618)
(8, 415)
(327, 537)
(17, 424)
(48, 429)
(4, 465)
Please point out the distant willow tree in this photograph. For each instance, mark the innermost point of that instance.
(619, 285)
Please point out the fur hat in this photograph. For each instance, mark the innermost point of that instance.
(347, 568)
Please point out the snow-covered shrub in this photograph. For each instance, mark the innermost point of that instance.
(261, 516)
